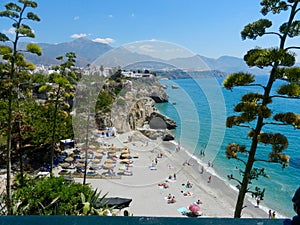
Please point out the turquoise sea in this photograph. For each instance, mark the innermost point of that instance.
(200, 107)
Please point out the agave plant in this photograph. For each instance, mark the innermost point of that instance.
(91, 205)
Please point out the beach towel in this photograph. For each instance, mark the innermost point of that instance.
(152, 168)
(182, 209)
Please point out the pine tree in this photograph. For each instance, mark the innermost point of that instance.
(15, 65)
(253, 110)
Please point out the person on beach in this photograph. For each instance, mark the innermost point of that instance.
(188, 184)
(172, 200)
(296, 204)
(270, 214)
(257, 202)
(209, 179)
(198, 202)
(202, 170)
(174, 176)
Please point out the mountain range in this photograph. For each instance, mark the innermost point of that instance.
(90, 52)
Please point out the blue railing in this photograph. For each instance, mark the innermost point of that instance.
(120, 220)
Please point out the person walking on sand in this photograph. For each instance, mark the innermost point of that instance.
(257, 202)
(202, 169)
(174, 176)
(209, 179)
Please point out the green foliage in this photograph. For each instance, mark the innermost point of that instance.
(267, 57)
(288, 118)
(50, 196)
(34, 48)
(289, 74)
(291, 90)
(104, 101)
(272, 6)
(238, 79)
(253, 111)
(256, 29)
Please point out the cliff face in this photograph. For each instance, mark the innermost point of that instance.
(134, 108)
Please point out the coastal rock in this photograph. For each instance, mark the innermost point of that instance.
(170, 124)
(134, 108)
(168, 137)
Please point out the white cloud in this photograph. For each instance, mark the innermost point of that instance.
(104, 40)
(10, 31)
(110, 16)
(76, 18)
(78, 35)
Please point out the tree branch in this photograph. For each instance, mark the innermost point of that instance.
(292, 47)
(279, 35)
(245, 163)
(231, 177)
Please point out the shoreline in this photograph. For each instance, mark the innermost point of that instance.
(149, 199)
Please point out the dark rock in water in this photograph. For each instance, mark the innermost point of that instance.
(157, 123)
(159, 99)
(168, 137)
(171, 124)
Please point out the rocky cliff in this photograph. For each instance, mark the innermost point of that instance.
(134, 109)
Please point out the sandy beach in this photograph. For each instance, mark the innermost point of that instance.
(149, 197)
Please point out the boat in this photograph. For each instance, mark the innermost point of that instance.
(175, 86)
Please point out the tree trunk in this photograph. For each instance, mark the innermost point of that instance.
(54, 130)
(8, 152)
(249, 165)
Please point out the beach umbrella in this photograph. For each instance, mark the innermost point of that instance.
(108, 165)
(80, 160)
(125, 161)
(125, 155)
(65, 165)
(96, 160)
(112, 150)
(92, 146)
(80, 165)
(112, 154)
(125, 151)
(194, 208)
(109, 161)
(98, 155)
(69, 159)
(100, 150)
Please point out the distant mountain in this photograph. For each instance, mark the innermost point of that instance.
(90, 52)
(121, 57)
(230, 64)
(86, 51)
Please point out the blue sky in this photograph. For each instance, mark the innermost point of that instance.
(208, 28)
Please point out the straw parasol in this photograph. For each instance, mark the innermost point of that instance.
(69, 159)
(125, 161)
(80, 165)
(81, 160)
(98, 155)
(99, 150)
(125, 155)
(109, 161)
(108, 165)
(65, 165)
(92, 147)
(96, 160)
(112, 150)
(125, 151)
(113, 154)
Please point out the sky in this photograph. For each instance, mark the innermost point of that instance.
(208, 28)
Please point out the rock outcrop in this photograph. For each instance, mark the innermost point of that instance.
(134, 109)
